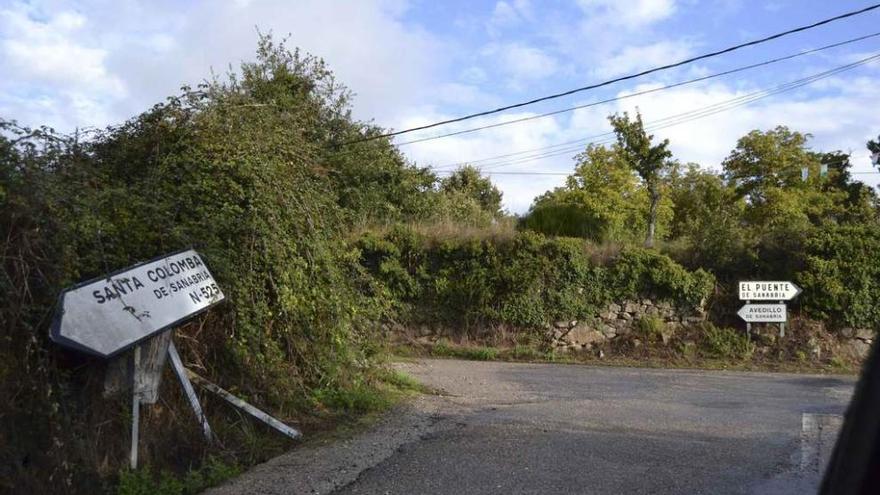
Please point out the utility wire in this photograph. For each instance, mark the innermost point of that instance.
(570, 173)
(669, 121)
(623, 78)
(641, 93)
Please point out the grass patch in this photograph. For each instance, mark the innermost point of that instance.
(526, 353)
(146, 481)
(360, 398)
(404, 382)
(651, 327)
(726, 343)
(479, 353)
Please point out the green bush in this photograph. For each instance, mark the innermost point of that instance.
(841, 279)
(726, 343)
(526, 352)
(525, 280)
(638, 271)
(479, 353)
(356, 398)
(652, 327)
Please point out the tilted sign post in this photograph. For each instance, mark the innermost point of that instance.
(120, 311)
(766, 313)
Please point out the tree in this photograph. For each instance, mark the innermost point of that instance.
(708, 219)
(859, 202)
(874, 148)
(468, 181)
(601, 201)
(766, 160)
(651, 162)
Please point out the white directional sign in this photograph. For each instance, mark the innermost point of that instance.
(111, 314)
(768, 291)
(763, 313)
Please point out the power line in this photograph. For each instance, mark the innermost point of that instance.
(570, 173)
(624, 78)
(669, 121)
(641, 93)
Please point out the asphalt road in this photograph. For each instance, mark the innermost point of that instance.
(543, 428)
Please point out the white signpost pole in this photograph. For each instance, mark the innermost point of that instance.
(135, 407)
(782, 325)
(748, 325)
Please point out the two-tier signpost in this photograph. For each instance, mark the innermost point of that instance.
(766, 313)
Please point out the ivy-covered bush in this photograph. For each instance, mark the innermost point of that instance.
(638, 271)
(237, 168)
(525, 280)
(841, 280)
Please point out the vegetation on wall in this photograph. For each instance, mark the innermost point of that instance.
(523, 280)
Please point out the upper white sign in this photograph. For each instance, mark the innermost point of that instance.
(768, 291)
(108, 315)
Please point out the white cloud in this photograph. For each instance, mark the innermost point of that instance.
(48, 69)
(632, 14)
(634, 58)
(95, 66)
(522, 62)
(508, 14)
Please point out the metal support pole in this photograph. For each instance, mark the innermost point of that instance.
(292, 433)
(180, 371)
(748, 326)
(782, 325)
(135, 408)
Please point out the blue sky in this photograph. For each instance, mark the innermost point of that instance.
(96, 62)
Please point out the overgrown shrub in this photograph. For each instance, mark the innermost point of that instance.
(237, 168)
(639, 271)
(726, 342)
(651, 327)
(524, 280)
(841, 279)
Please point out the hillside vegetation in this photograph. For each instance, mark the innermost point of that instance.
(321, 245)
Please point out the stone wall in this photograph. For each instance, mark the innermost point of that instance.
(620, 319)
(857, 341)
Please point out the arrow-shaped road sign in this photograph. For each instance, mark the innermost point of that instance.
(767, 291)
(114, 312)
(763, 313)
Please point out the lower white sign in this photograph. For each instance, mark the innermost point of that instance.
(111, 314)
(763, 313)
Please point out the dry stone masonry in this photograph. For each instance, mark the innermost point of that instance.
(619, 319)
